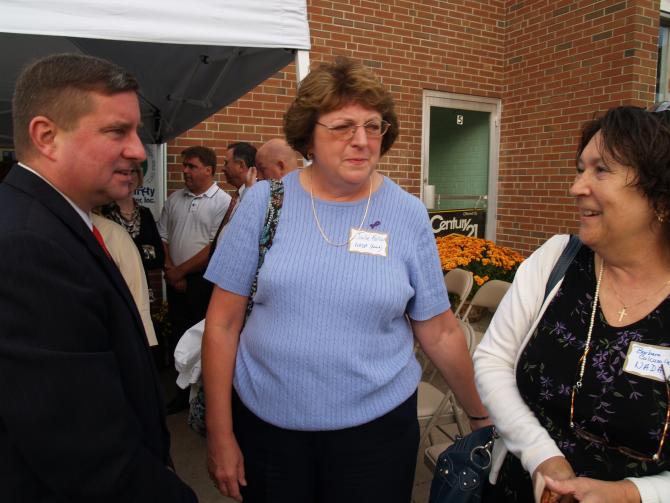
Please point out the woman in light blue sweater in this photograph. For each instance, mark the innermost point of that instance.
(315, 399)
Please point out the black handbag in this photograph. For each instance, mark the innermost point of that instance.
(463, 468)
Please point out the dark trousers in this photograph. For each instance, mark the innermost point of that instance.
(363, 464)
(185, 309)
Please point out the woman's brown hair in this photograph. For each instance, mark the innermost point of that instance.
(330, 87)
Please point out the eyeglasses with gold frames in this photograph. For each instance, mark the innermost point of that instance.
(632, 453)
(346, 130)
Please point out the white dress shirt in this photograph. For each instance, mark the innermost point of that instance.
(188, 222)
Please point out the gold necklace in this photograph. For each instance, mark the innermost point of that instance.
(623, 312)
(587, 346)
(316, 217)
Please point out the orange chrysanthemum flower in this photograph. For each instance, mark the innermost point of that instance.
(484, 258)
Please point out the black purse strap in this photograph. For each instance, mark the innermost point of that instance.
(561, 266)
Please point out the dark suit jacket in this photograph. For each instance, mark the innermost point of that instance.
(81, 410)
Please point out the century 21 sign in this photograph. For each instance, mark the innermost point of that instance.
(467, 222)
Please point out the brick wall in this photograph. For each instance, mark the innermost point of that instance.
(564, 61)
(453, 46)
(254, 118)
(552, 62)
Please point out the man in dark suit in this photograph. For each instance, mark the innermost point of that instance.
(81, 410)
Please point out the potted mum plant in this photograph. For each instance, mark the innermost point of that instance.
(483, 258)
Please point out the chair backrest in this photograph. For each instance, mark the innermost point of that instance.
(459, 281)
(470, 338)
(429, 371)
(440, 407)
(489, 296)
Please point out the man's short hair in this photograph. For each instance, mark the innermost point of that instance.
(58, 87)
(243, 151)
(205, 154)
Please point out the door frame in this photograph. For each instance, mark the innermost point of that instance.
(477, 104)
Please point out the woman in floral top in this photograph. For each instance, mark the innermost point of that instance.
(577, 384)
(140, 224)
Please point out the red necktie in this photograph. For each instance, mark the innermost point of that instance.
(98, 236)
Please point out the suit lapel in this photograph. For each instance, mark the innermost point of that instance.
(42, 192)
(46, 195)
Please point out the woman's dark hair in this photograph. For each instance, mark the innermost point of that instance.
(330, 87)
(640, 139)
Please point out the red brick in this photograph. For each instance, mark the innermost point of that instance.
(538, 57)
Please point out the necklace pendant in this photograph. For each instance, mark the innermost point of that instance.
(622, 313)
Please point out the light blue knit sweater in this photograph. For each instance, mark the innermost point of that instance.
(327, 345)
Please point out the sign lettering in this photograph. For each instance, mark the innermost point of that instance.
(470, 223)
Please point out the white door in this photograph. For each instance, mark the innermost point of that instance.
(461, 137)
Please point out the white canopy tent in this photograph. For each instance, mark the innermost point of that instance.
(191, 58)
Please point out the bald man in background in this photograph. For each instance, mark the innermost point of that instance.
(275, 159)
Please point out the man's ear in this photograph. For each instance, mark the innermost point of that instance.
(43, 132)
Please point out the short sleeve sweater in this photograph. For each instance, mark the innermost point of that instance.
(327, 345)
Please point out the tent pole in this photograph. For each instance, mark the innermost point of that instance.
(301, 64)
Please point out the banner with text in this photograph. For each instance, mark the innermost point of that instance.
(152, 193)
(468, 222)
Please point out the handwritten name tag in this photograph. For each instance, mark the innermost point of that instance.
(646, 360)
(370, 243)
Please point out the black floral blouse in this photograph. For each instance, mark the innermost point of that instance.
(142, 228)
(627, 410)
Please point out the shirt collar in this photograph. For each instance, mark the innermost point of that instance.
(213, 189)
(84, 216)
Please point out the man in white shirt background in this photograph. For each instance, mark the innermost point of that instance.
(188, 223)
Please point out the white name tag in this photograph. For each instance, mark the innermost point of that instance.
(370, 243)
(647, 361)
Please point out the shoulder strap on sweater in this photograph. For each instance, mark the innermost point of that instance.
(267, 235)
(561, 266)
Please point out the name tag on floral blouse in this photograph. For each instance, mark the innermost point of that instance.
(646, 360)
(369, 243)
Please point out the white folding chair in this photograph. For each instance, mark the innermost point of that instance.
(437, 408)
(459, 281)
(470, 338)
(488, 296)
(433, 451)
